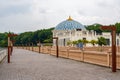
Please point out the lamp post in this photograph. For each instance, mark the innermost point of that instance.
(57, 54)
(10, 45)
(113, 29)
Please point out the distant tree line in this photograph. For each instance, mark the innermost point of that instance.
(96, 27)
(3, 39)
(44, 35)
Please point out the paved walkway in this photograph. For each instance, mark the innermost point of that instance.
(27, 65)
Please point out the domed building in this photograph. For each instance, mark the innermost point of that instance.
(71, 30)
(69, 24)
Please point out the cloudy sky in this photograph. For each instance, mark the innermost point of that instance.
(30, 15)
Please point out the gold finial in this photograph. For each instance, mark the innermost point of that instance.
(70, 18)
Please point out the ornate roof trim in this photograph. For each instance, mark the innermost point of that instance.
(69, 19)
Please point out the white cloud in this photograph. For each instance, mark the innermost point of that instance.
(37, 14)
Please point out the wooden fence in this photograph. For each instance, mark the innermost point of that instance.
(89, 55)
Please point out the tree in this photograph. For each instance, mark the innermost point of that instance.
(74, 42)
(101, 42)
(93, 42)
(79, 41)
(44, 36)
(85, 41)
(95, 27)
(3, 39)
(117, 25)
(69, 43)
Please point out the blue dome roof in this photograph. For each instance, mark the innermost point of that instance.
(69, 24)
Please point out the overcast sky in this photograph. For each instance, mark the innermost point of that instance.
(30, 15)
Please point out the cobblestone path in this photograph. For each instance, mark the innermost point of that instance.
(28, 65)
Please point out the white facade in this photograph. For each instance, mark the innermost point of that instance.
(75, 34)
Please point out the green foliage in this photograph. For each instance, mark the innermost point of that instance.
(69, 42)
(74, 42)
(44, 36)
(85, 41)
(48, 40)
(47, 44)
(93, 42)
(3, 39)
(95, 27)
(102, 41)
(79, 41)
(117, 27)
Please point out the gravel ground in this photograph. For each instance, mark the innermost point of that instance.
(27, 65)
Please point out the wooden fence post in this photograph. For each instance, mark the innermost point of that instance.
(108, 59)
(82, 56)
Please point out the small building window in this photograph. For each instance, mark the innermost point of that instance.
(78, 29)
